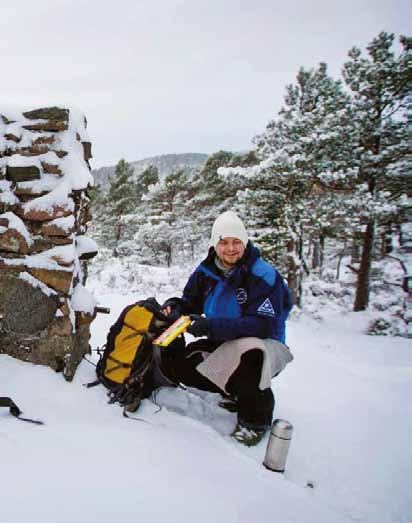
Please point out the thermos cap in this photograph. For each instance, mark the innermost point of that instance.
(282, 429)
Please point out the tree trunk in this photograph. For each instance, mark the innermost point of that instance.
(355, 251)
(119, 230)
(315, 254)
(341, 255)
(322, 241)
(318, 252)
(386, 244)
(293, 272)
(119, 233)
(362, 289)
(169, 255)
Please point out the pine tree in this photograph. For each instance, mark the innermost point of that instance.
(101, 224)
(210, 194)
(162, 235)
(209, 190)
(122, 193)
(380, 84)
(121, 199)
(304, 159)
(150, 176)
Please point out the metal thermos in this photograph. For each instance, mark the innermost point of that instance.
(278, 445)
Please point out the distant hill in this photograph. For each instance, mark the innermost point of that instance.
(166, 163)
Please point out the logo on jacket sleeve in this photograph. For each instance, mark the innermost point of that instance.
(266, 308)
(241, 295)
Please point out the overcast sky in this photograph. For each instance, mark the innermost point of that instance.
(174, 76)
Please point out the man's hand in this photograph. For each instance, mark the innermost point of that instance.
(199, 327)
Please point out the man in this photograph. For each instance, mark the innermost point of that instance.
(238, 303)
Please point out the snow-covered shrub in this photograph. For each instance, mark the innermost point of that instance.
(329, 275)
(321, 288)
(380, 327)
(389, 324)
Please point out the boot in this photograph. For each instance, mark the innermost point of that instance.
(247, 436)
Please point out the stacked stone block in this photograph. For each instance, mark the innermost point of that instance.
(45, 310)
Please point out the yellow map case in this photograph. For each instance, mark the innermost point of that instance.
(172, 332)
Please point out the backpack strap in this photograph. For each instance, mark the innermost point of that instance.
(120, 364)
(15, 411)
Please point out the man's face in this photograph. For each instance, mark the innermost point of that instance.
(229, 251)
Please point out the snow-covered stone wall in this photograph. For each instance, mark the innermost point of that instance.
(45, 310)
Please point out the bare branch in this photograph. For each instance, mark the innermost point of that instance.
(400, 261)
(394, 284)
(356, 271)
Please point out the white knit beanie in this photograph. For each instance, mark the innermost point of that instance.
(228, 225)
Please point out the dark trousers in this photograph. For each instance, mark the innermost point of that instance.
(255, 406)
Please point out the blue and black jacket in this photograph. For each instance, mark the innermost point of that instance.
(252, 299)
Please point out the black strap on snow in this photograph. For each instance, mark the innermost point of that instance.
(15, 411)
(92, 384)
(125, 415)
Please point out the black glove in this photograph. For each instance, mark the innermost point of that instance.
(172, 309)
(199, 327)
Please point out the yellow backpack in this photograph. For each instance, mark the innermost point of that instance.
(129, 366)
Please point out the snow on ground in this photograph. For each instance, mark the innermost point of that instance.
(347, 395)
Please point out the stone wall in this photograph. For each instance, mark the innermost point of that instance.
(45, 310)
